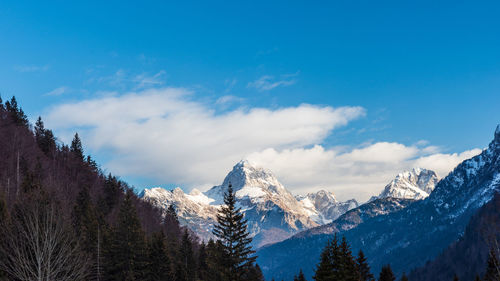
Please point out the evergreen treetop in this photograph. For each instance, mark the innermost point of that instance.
(363, 267)
(386, 274)
(231, 229)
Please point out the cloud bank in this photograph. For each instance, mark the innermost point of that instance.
(167, 135)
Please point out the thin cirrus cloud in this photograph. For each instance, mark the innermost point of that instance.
(268, 82)
(166, 135)
(57, 91)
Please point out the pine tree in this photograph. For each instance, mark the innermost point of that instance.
(186, 257)
(215, 261)
(493, 267)
(112, 191)
(347, 266)
(85, 221)
(202, 269)
(455, 277)
(386, 274)
(39, 129)
(231, 229)
(299, 277)
(125, 259)
(159, 264)
(76, 147)
(327, 269)
(404, 277)
(16, 113)
(363, 267)
(44, 138)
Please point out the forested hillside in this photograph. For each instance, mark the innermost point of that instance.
(62, 218)
(468, 257)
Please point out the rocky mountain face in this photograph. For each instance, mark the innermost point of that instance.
(356, 216)
(324, 207)
(193, 209)
(273, 213)
(406, 238)
(415, 184)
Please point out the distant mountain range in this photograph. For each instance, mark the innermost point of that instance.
(274, 214)
(407, 235)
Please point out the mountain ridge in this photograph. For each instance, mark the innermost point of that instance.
(410, 236)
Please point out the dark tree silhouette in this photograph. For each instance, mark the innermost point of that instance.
(386, 274)
(231, 229)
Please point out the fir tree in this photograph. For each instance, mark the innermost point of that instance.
(347, 268)
(16, 113)
(159, 265)
(186, 257)
(215, 261)
(231, 229)
(76, 147)
(363, 267)
(44, 138)
(404, 277)
(493, 267)
(125, 259)
(202, 269)
(386, 274)
(455, 277)
(85, 221)
(39, 129)
(299, 277)
(327, 268)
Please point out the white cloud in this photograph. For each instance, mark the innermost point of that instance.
(359, 173)
(57, 91)
(161, 133)
(268, 82)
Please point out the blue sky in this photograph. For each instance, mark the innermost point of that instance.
(425, 75)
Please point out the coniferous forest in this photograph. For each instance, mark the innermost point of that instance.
(63, 218)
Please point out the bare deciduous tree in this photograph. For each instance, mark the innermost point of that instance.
(39, 247)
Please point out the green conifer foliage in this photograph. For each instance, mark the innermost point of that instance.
(231, 229)
(186, 257)
(76, 147)
(85, 222)
(363, 267)
(159, 264)
(347, 266)
(327, 269)
(125, 259)
(386, 274)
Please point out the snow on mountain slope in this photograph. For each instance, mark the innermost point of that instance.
(273, 213)
(356, 216)
(323, 207)
(415, 184)
(194, 209)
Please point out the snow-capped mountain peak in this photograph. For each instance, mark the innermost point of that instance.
(415, 184)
